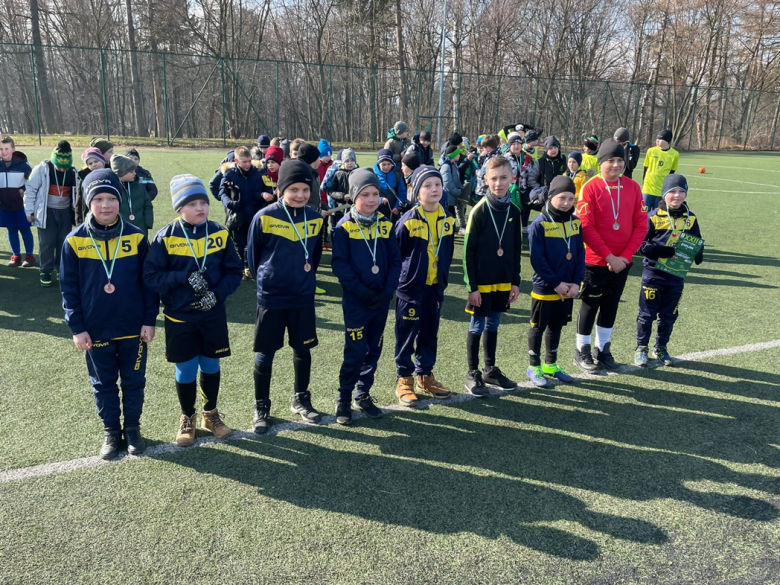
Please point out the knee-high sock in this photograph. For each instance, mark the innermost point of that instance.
(302, 370)
(188, 392)
(489, 344)
(472, 350)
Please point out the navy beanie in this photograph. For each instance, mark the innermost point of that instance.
(576, 155)
(101, 181)
(186, 188)
(263, 141)
(672, 182)
(384, 154)
(420, 174)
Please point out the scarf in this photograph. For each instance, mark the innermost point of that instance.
(100, 232)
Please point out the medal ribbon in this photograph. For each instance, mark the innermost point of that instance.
(615, 214)
(563, 235)
(430, 235)
(201, 265)
(130, 202)
(506, 219)
(109, 272)
(376, 237)
(673, 224)
(297, 233)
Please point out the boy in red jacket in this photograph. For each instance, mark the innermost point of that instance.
(614, 222)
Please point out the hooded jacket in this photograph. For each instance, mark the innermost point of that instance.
(36, 193)
(249, 186)
(12, 182)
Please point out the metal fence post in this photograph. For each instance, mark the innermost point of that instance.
(749, 114)
(373, 107)
(636, 109)
(35, 92)
(666, 107)
(498, 99)
(224, 120)
(419, 89)
(277, 98)
(457, 112)
(693, 116)
(774, 125)
(603, 110)
(722, 116)
(105, 96)
(568, 112)
(330, 104)
(165, 100)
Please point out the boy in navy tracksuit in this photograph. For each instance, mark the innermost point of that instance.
(558, 260)
(367, 263)
(426, 238)
(660, 294)
(109, 309)
(491, 269)
(283, 253)
(194, 267)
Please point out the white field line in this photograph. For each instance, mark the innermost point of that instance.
(722, 167)
(87, 462)
(691, 177)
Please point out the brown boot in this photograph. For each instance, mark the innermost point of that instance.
(186, 434)
(404, 391)
(430, 385)
(212, 421)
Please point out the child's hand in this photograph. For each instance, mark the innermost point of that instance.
(616, 263)
(395, 211)
(83, 341)
(574, 290)
(147, 334)
(385, 201)
(31, 218)
(269, 197)
(562, 289)
(475, 299)
(514, 293)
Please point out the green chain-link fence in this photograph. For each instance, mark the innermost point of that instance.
(179, 97)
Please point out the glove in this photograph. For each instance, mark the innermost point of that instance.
(666, 252)
(198, 283)
(205, 303)
(382, 300)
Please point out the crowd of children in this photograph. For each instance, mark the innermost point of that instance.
(392, 231)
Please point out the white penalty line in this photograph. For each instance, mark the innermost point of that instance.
(45, 469)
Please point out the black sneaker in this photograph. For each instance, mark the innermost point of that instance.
(604, 357)
(301, 404)
(112, 441)
(261, 420)
(495, 377)
(45, 279)
(475, 385)
(368, 407)
(584, 360)
(135, 442)
(343, 413)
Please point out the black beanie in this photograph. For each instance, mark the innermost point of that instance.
(425, 135)
(672, 182)
(293, 171)
(561, 184)
(621, 135)
(455, 139)
(308, 153)
(551, 141)
(610, 149)
(665, 135)
(411, 160)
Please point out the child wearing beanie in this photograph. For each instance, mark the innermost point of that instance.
(144, 176)
(109, 309)
(558, 259)
(367, 263)
(391, 182)
(661, 160)
(49, 205)
(397, 141)
(660, 293)
(337, 184)
(136, 205)
(576, 173)
(194, 266)
(283, 253)
(491, 269)
(93, 160)
(421, 146)
(426, 238)
(590, 163)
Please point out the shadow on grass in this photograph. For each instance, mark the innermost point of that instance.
(29, 306)
(715, 256)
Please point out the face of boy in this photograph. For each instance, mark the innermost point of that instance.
(425, 143)
(108, 154)
(349, 164)
(662, 144)
(612, 168)
(105, 208)
(430, 193)
(367, 201)
(134, 158)
(483, 150)
(272, 165)
(6, 151)
(195, 212)
(498, 180)
(297, 195)
(552, 151)
(572, 164)
(405, 170)
(386, 166)
(516, 147)
(563, 201)
(128, 177)
(325, 159)
(244, 162)
(263, 149)
(675, 198)
(94, 164)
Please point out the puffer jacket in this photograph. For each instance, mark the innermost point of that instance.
(12, 182)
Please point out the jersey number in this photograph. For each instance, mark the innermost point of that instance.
(126, 246)
(355, 335)
(215, 242)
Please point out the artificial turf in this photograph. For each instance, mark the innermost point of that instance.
(665, 476)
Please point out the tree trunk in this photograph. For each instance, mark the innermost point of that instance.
(50, 121)
(399, 45)
(138, 103)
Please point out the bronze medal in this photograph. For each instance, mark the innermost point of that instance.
(500, 252)
(307, 267)
(435, 263)
(375, 269)
(109, 288)
(568, 255)
(132, 217)
(616, 226)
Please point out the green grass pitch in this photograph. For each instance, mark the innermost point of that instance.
(662, 476)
